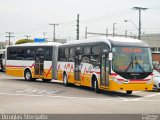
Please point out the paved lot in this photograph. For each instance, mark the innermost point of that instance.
(20, 96)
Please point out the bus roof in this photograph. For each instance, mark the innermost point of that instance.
(112, 41)
(38, 44)
(121, 41)
(89, 40)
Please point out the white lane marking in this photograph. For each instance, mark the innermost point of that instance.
(55, 96)
(80, 98)
(121, 98)
(148, 96)
(126, 99)
(38, 91)
(27, 90)
(137, 91)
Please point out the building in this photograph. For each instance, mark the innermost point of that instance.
(154, 41)
(2, 45)
(58, 40)
(5, 44)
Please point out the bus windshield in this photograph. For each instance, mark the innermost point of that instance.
(132, 60)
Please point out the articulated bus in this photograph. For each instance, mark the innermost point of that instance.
(112, 64)
(109, 63)
(33, 61)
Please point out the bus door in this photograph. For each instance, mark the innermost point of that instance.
(104, 69)
(77, 67)
(39, 63)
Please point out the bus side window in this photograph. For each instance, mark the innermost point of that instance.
(29, 54)
(66, 53)
(61, 54)
(95, 61)
(21, 54)
(87, 50)
(85, 59)
(12, 54)
(48, 54)
(71, 54)
(96, 50)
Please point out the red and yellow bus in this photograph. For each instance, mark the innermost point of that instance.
(107, 63)
(32, 61)
(112, 64)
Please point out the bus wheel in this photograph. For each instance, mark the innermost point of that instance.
(28, 75)
(65, 80)
(46, 80)
(129, 92)
(96, 88)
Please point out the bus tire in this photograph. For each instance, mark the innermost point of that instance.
(65, 80)
(129, 92)
(27, 75)
(96, 88)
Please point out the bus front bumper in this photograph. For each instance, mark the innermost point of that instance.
(114, 86)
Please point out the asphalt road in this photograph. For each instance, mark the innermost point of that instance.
(20, 96)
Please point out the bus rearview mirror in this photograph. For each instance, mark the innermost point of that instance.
(110, 56)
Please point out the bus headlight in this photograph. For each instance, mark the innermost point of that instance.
(116, 80)
(126, 81)
(150, 81)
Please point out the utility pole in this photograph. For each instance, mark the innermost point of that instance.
(114, 29)
(44, 33)
(139, 9)
(54, 26)
(126, 33)
(86, 33)
(27, 36)
(77, 27)
(9, 36)
(106, 32)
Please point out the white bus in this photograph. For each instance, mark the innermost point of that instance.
(112, 64)
(33, 61)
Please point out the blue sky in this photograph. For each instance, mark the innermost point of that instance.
(32, 17)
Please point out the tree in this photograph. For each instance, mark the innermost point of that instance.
(21, 41)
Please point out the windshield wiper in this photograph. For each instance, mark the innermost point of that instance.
(130, 64)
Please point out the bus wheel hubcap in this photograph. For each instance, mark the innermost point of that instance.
(95, 84)
(28, 75)
(65, 79)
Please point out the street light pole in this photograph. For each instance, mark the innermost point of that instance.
(132, 24)
(139, 9)
(54, 25)
(113, 29)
